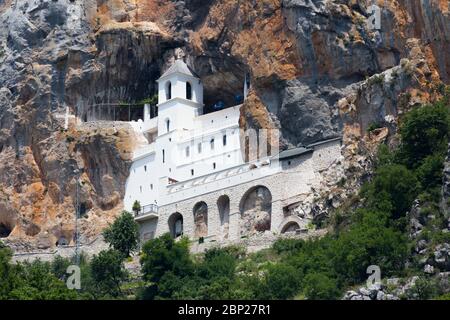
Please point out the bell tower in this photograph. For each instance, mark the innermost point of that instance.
(180, 98)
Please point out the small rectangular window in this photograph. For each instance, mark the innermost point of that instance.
(225, 140)
(188, 152)
(214, 166)
(199, 148)
(212, 144)
(145, 168)
(192, 172)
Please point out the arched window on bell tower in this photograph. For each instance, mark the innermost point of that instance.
(188, 91)
(168, 125)
(168, 90)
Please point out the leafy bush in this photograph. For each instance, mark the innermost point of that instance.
(393, 190)
(38, 283)
(282, 281)
(429, 172)
(319, 286)
(424, 132)
(164, 255)
(218, 263)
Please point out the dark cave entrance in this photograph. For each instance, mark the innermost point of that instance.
(5, 230)
(62, 242)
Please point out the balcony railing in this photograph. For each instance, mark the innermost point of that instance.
(149, 209)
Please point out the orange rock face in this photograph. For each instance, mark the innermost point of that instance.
(317, 71)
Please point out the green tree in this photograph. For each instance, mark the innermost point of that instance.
(218, 263)
(429, 172)
(8, 273)
(59, 267)
(123, 234)
(319, 286)
(108, 272)
(281, 282)
(163, 256)
(393, 189)
(38, 283)
(369, 241)
(424, 131)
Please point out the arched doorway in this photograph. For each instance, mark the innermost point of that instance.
(291, 226)
(200, 220)
(223, 204)
(256, 211)
(176, 225)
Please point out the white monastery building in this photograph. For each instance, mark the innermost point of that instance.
(192, 176)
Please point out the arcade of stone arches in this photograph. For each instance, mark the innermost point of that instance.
(255, 209)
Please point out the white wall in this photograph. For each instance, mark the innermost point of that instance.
(140, 181)
(287, 184)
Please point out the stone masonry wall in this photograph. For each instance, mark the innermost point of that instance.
(300, 182)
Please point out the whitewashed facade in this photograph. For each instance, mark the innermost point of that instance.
(190, 177)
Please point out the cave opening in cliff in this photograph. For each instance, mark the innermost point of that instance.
(83, 210)
(124, 112)
(225, 85)
(62, 242)
(5, 230)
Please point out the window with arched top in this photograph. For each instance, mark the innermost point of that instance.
(188, 91)
(176, 225)
(167, 125)
(168, 90)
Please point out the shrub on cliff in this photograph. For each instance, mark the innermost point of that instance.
(424, 131)
(319, 286)
(392, 190)
(123, 234)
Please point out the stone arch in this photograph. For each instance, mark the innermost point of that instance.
(168, 89)
(176, 225)
(200, 212)
(223, 205)
(256, 211)
(188, 90)
(290, 224)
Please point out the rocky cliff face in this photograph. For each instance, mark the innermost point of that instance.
(317, 71)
